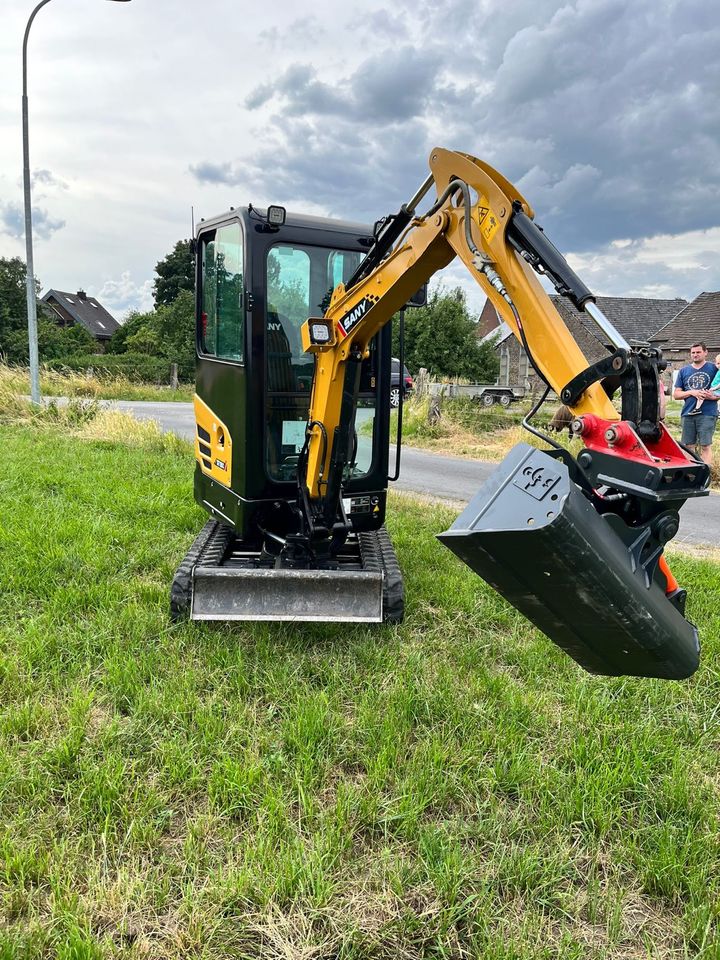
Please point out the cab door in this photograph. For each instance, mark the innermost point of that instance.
(221, 380)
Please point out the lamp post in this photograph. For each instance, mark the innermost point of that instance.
(30, 267)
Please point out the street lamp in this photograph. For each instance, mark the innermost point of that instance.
(30, 267)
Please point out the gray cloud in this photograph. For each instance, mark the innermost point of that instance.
(383, 23)
(206, 172)
(353, 181)
(600, 110)
(625, 269)
(299, 91)
(47, 179)
(12, 221)
(304, 30)
(387, 87)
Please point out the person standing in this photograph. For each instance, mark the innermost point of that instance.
(692, 385)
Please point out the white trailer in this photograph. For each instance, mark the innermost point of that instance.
(485, 394)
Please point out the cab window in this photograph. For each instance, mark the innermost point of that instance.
(289, 368)
(300, 279)
(221, 331)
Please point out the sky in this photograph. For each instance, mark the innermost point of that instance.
(604, 113)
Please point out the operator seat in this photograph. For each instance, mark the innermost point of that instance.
(280, 372)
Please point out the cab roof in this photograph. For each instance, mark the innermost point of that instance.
(301, 220)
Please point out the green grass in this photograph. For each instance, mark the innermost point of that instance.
(454, 787)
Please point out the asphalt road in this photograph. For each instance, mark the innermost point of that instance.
(447, 478)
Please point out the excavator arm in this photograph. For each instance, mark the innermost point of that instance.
(632, 476)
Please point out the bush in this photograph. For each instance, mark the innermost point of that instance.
(54, 342)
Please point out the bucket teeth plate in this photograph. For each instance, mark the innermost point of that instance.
(533, 536)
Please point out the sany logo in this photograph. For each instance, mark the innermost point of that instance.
(346, 323)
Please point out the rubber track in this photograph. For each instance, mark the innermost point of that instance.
(209, 545)
(379, 553)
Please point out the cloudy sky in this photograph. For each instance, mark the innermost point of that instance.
(605, 113)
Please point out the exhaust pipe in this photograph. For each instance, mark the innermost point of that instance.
(532, 535)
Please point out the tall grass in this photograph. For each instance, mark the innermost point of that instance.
(464, 428)
(87, 420)
(68, 383)
(453, 787)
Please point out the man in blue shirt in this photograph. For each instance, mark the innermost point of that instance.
(693, 384)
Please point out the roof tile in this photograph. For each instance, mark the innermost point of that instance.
(699, 320)
(636, 318)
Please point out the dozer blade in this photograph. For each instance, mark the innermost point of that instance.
(534, 537)
(228, 593)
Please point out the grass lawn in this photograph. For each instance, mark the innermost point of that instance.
(454, 787)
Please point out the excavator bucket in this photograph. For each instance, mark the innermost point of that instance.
(533, 536)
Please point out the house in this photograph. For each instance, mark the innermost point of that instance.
(698, 322)
(636, 318)
(71, 308)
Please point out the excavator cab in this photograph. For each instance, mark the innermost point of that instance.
(260, 275)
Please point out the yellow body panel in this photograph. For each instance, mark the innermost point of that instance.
(431, 244)
(217, 463)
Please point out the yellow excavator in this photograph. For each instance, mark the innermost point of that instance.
(293, 431)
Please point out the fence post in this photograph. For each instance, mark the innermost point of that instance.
(421, 382)
(435, 408)
(174, 376)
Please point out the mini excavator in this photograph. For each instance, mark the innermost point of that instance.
(293, 431)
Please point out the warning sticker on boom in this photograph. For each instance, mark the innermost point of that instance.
(489, 223)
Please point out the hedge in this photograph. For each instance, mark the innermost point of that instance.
(137, 367)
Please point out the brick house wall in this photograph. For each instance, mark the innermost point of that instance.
(515, 370)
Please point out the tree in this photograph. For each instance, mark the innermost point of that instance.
(168, 332)
(13, 300)
(135, 321)
(442, 337)
(176, 272)
(145, 340)
(175, 325)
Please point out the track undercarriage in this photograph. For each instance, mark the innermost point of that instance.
(224, 578)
